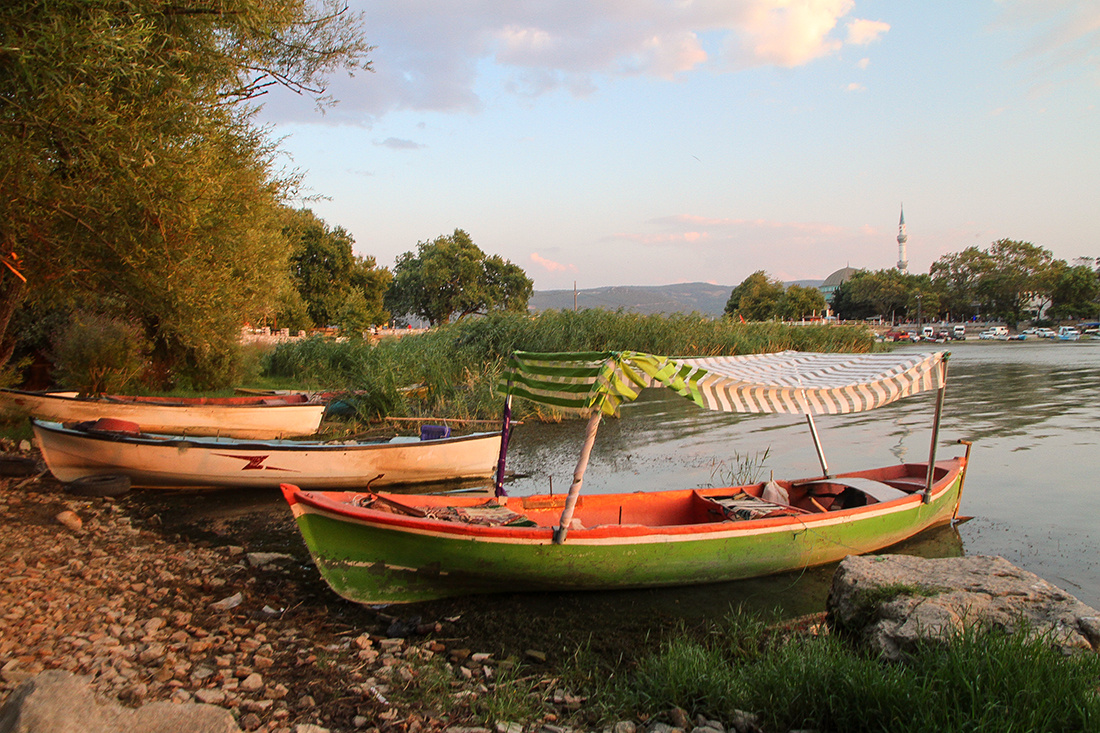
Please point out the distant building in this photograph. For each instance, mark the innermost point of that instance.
(828, 288)
(903, 237)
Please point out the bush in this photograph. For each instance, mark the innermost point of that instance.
(96, 354)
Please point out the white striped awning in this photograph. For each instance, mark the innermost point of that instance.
(783, 382)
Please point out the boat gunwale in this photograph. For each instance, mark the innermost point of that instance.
(243, 401)
(319, 502)
(172, 440)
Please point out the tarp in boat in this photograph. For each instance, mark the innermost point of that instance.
(784, 382)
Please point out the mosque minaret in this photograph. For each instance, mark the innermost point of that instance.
(903, 261)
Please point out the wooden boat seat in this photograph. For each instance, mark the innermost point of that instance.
(743, 506)
(877, 490)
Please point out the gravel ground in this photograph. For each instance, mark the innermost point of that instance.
(102, 587)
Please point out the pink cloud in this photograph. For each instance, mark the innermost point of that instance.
(550, 265)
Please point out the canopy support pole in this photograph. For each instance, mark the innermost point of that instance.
(817, 444)
(927, 497)
(505, 435)
(578, 478)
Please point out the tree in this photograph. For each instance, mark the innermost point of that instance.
(847, 306)
(886, 291)
(799, 301)
(756, 298)
(451, 277)
(130, 167)
(956, 275)
(1076, 292)
(1018, 272)
(326, 273)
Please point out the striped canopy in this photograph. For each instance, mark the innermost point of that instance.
(786, 381)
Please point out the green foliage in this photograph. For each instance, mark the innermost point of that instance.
(458, 365)
(451, 277)
(757, 298)
(336, 286)
(1075, 292)
(760, 298)
(1000, 280)
(97, 354)
(800, 302)
(131, 170)
(982, 680)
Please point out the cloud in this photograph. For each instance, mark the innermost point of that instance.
(1062, 34)
(789, 34)
(439, 55)
(550, 265)
(855, 87)
(396, 143)
(863, 63)
(861, 32)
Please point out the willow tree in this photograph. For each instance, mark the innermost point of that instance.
(131, 169)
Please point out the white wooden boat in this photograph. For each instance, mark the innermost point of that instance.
(172, 461)
(260, 416)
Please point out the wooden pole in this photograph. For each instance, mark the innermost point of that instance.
(505, 434)
(935, 432)
(578, 478)
(817, 444)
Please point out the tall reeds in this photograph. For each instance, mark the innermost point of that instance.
(453, 370)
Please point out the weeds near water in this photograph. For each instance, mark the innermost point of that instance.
(455, 369)
(982, 680)
(741, 470)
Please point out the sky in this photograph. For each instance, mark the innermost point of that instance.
(652, 142)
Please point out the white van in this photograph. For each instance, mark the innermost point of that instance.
(958, 333)
(996, 332)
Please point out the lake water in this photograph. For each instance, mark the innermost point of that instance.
(1031, 408)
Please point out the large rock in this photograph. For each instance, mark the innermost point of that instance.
(61, 702)
(893, 601)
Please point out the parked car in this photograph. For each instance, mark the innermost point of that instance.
(958, 333)
(999, 333)
(1045, 333)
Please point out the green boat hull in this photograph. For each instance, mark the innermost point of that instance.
(367, 562)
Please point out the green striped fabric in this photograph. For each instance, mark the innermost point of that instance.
(599, 380)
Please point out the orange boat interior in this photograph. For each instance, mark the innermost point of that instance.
(765, 500)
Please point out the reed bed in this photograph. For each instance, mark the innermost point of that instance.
(453, 370)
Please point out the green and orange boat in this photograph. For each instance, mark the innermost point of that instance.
(387, 548)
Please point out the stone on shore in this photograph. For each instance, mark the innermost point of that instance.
(61, 702)
(892, 602)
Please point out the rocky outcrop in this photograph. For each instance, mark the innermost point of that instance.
(891, 602)
(61, 702)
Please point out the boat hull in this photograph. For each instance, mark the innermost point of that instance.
(166, 461)
(254, 417)
(374, 557)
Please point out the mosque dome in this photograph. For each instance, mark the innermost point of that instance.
(834, 280)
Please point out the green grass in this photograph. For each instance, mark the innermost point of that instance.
(984, 680)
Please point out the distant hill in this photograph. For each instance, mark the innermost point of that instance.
(679, 298)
